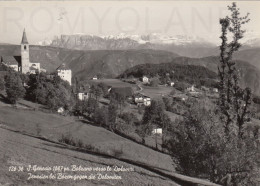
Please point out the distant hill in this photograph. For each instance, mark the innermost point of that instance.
(249, 74)
(85, 64)
(251, 55)
(192, 74)
(10, 50)
(111, 63)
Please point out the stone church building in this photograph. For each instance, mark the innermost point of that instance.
(22, 62)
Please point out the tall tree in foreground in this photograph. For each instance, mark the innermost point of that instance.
(216, 141)
(234, 101)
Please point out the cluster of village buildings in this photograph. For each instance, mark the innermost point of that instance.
(21, 62)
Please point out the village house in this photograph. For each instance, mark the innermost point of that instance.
(206, 89)
(36, 66)
(50, 76)
(191, 89)
(33, 70)
(157, 131)
(64, 73)
(138, 98)
(171, 83)
(83, 96)
(147, 101)
(84, 93)
(12, 61)
(95, 78)
(145, 79)
(60, 110)
(180, 97)
(215, 90)
(43, 70)
(141, 99)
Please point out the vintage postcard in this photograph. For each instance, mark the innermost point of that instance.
(129, 93)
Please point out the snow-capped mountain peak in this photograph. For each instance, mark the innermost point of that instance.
(44, 42)
(157, 38)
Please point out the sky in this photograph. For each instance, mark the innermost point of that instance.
(46, 19)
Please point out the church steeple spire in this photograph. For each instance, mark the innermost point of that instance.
(25, 56)
(24, 39)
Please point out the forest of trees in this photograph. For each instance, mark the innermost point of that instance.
(41, 88)
(191, 74)
(50, 90)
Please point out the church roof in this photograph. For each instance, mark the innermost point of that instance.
(62, 67)
(11, 60)
(24, 39)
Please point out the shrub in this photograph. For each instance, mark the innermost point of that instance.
(2, 84)
(129, 118)
(117, 152)
(168, 103)
(101, 116)
(79, 143)
(155, 82)
(14, 87)
(53, 92)
(67, 139)
(89, 147)
(181, 86)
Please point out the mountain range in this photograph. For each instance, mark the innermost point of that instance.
(190, 46)
(183, 45)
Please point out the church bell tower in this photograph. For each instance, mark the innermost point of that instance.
(25, 60)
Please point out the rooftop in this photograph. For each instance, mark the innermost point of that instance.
(11, 60)
(63, 67)
(33, 68)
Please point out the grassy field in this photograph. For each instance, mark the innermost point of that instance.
(52, 126)
(21, 150)
(17, 148)
(114, 83)
(155, 92)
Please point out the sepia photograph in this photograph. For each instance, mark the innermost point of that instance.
(129, 93)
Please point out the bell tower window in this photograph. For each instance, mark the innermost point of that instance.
(24, 47)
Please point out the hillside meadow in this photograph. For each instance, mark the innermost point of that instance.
(52, 126)
(21, 150)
